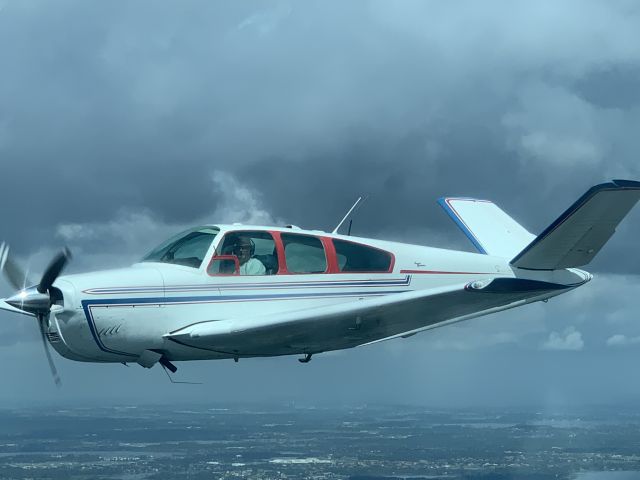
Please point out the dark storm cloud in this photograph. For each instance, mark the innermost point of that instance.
(614, 86)
(105, 107)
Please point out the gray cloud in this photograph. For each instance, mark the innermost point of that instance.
(393, 102)
(619, 340)
(570, 339)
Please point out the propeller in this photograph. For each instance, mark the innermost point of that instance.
(35, 300)
(47, 352)
(13, 273)
(53, 270)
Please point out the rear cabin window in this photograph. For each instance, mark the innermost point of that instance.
(353, 257)
(304, 254)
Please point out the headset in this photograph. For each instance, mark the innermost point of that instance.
(237, 244)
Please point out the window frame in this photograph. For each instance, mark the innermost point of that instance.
(336, 266)
(219, 244)
(282, 256)
(330, 254)
(211, 248)
(235, 260)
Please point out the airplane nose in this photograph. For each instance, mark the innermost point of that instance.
(30, 300)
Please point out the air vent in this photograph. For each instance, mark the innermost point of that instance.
(53, 337)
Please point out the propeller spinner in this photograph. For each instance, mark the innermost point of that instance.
(34, 300)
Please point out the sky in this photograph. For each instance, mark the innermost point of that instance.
(122, 123)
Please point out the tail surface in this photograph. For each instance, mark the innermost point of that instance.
(572, 240)
(490, 229)
(577, 235)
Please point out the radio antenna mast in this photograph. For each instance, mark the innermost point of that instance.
(351, 210)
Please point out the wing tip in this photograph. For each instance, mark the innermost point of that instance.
(626, 184)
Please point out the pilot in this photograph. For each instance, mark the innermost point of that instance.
(244, 248)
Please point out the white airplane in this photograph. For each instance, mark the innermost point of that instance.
(236, 291)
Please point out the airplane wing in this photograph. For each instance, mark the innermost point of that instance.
(335, 327)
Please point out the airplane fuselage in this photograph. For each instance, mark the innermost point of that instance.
(117, 315)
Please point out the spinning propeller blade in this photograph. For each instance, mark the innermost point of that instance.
(53, 270)
(52, 366)
(34, 301)
(13, 273)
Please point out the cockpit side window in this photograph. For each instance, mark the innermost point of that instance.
(255, 252)
(304, 254)
(187, 248)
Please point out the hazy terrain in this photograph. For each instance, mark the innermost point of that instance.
(360, 443)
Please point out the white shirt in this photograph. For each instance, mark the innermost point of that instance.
(253, 266)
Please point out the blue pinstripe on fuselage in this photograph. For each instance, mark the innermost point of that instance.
(89, 304)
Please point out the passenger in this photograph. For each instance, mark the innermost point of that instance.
(244, 248)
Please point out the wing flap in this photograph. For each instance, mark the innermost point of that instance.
(343, 326)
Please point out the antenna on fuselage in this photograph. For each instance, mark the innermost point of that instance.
(351, 210)
(176, 381)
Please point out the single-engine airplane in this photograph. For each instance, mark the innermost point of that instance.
(236, 291)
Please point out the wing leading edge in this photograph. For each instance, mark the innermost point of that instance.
(337, 327)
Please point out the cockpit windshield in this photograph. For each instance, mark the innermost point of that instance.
(187, 248)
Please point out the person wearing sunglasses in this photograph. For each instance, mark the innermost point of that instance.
(244, 248)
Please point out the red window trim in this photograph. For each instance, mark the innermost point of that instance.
(224, 257)
(329, 252)
(332, 258)
(282, 265)
(282, 257)
(215, 255)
